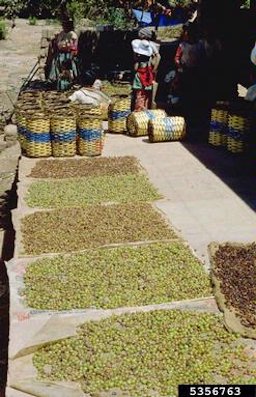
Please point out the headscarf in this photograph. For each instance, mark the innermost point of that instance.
(145, 33)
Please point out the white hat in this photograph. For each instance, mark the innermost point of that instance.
(142, 47)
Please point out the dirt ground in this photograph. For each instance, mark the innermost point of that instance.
(18, 54)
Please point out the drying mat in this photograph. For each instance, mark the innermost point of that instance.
(232, 319)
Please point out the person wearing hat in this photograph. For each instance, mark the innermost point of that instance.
(148, 34)
(64, 69)
(143, 75)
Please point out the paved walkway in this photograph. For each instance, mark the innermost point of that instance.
(209, 193)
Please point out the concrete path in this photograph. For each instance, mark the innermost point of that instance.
(209, 193)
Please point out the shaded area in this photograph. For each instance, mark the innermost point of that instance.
(8, 201)
(238, 171)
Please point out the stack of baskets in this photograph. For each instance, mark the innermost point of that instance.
(230, 125)
(63, 134)
(90, 138)
(137, 122)
(119, 110)
(38, 137)
(49, 125)
(239, 125)
(219, 124)
(166, 129)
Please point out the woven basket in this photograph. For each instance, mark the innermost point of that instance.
(235, 146)
(119, 110)
(137, 122)
(38, 138)
(86, 110)
(218, 125)
(166, 129)
(63, 135)
(21, 126)
(239, 125)
(90, 136)
(30, 95)
(117, 89)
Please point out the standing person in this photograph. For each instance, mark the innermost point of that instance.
(64, 51)
(143, 75)
(189, 60)
(150, 35)
(212, 65)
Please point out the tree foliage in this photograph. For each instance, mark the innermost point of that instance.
(91, 9)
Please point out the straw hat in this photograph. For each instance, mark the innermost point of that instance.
(142, 47)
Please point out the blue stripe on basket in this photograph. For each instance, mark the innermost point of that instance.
(22, 130)
(150, 115)
(217, 126)
(235, 134)
(115, 114)
(90, 135)
(64, 136)
(169, 125)
(42, 137)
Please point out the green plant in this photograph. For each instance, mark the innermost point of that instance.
(118, 18)
(3, 30)
(76, 10)
(32, 20)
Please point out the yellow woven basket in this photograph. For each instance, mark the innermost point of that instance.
(119, 110)
(218, 126)
(166, 129)
(90, 136)
(21, 126)
(63, 135)
(137, 122)
(235, 146)
(38, 139)
(86, 110)
(239, 125)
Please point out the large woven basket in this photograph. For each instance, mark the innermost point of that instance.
(38, 138)
(63, 135)
(21, 126)
(166, 129)
(137, 122)
(119, 110)
(219, 125)
(90, 136)
(239, 125)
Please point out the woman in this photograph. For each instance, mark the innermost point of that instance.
(64, 64)
(143, 75)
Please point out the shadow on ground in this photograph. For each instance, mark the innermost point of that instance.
(8, 201)
(238, 171)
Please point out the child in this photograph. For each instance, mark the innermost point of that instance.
(190, 51)
(143, 75)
